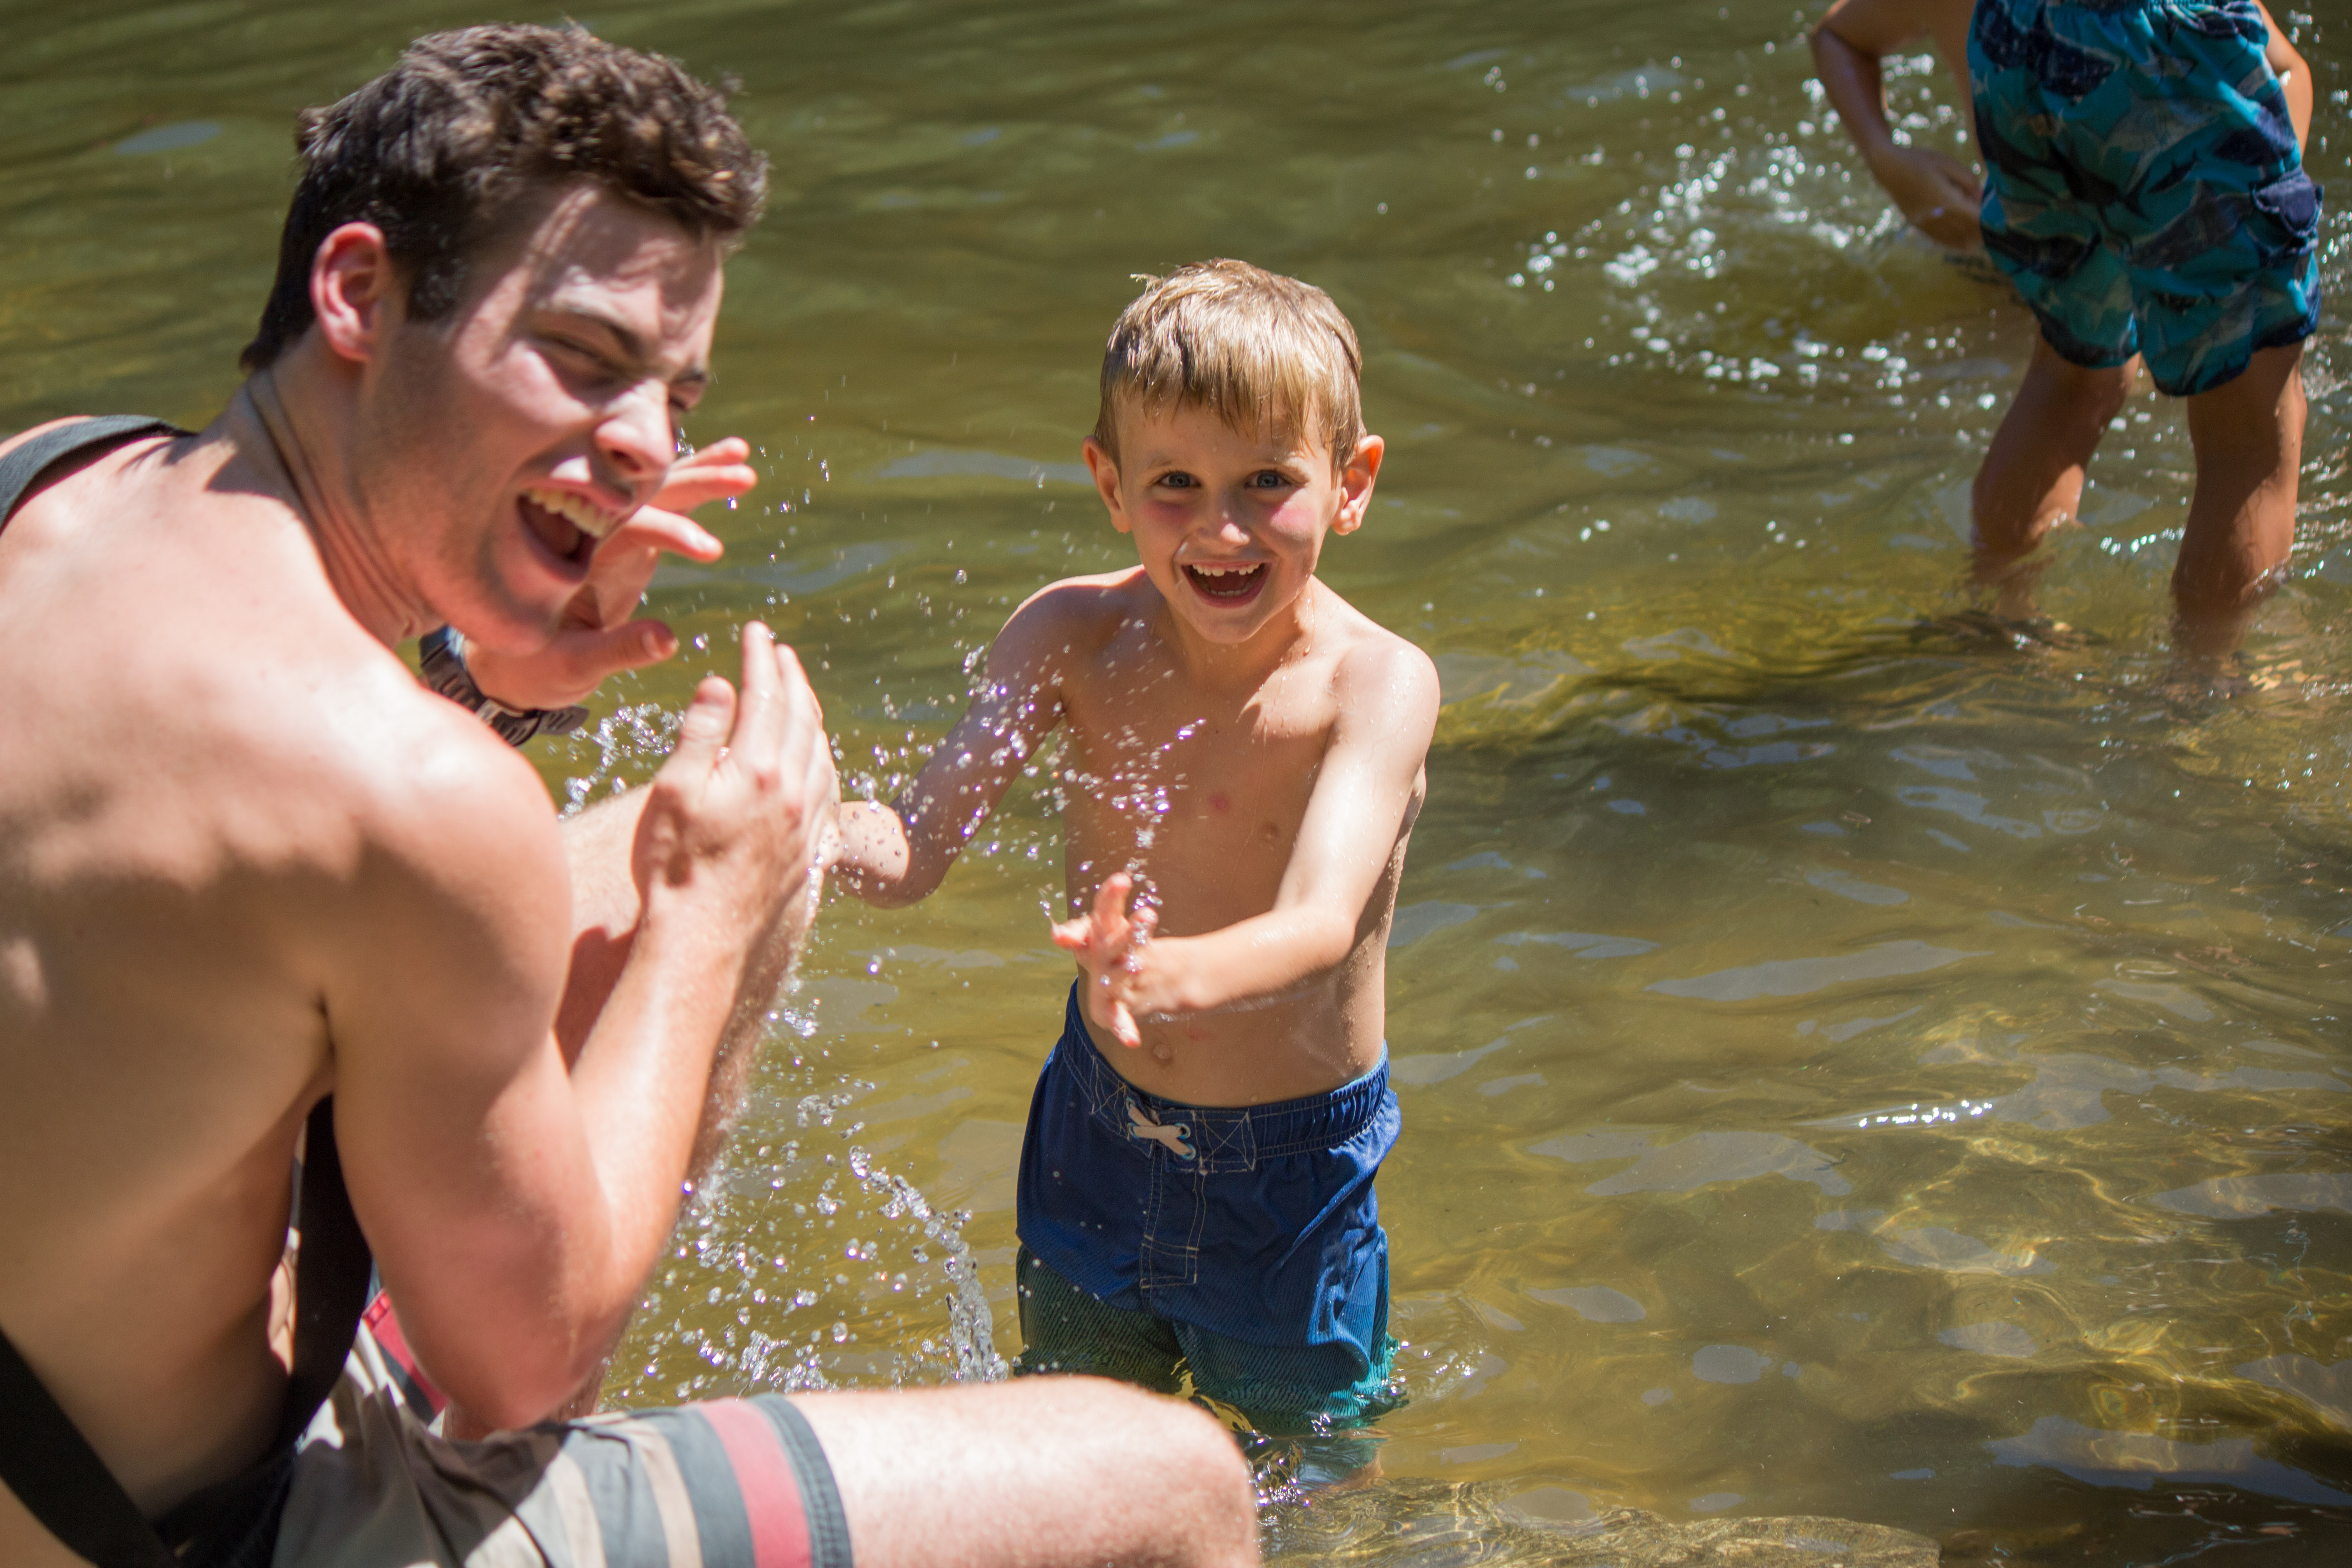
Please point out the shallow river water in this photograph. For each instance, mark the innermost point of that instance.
(1858, 1058)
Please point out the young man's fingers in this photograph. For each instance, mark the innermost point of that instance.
(584, 657)
(760, 721)
(708, 719)
(803, 732)
(718, 470)
(658, 528)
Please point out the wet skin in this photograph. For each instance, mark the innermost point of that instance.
(243, 870)
(1242, 769)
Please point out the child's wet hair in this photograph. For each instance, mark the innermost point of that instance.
(1264, 353)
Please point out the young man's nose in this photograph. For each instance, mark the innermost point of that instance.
(637, 439)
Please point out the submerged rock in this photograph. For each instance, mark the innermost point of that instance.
(1408, 1523)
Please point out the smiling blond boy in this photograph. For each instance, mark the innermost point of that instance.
(1242, 768)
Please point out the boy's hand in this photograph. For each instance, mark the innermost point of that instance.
(1109, 945)
(1936, 192)
(597, 638)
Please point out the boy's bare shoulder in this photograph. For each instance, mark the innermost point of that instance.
(1374, 665)
(1065, 624)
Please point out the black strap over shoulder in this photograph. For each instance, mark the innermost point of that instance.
(22, 469)
(44, 1458)
(62, 1482)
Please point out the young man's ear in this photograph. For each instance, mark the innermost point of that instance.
(1104, 469)
(352, 285)
(1355, 483)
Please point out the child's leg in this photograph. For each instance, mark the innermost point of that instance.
(1064, 1330)
(2248, 433)
(2033, 476)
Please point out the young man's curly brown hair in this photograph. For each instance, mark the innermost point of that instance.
(472, 126)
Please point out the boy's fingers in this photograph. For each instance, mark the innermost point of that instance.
(1122, 1026)
(1111, 901)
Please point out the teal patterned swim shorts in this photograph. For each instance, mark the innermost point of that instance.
(2145, 191)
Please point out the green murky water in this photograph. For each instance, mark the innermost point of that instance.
(1854, 1062)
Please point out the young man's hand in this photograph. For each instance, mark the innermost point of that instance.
(739, 812)
(597, 637)
(1936, 192)
(1110, 945)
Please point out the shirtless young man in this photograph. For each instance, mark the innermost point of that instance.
(247, 862)
(1245, 749)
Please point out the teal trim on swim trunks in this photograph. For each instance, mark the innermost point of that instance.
(2144, 190)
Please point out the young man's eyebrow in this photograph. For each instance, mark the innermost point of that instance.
(626, 338)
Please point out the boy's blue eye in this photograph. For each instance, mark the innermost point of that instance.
(1268, 479)
(1176, 481)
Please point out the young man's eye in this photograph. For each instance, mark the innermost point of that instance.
(575, 350)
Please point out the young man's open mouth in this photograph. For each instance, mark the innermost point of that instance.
(569, 525)
(1227, 583)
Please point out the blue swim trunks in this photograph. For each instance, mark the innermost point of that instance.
(1244, 1243)
(2145, 191)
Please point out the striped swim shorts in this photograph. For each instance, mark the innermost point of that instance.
(733, 1483)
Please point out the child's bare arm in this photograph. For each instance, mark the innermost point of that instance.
(1936, 192)
(1369, 782)
(897, 854)
(2294, 76)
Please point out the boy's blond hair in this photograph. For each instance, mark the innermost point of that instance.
(1266, 353)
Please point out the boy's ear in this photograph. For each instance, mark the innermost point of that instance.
(1355, 484)
(1105, 477)
(351, 286)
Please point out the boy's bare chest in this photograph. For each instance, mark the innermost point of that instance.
(1204, 799)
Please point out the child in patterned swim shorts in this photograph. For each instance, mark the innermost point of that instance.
(2146, 194)
(1244, 758)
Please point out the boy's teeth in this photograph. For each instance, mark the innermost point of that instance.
(589, 520)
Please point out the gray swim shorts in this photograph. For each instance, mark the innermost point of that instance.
(734, 1483)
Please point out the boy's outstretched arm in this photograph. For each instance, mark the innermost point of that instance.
(1369, 787)
(897, 854)
(1936, 192)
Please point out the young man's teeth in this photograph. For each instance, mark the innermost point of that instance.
(572, 509)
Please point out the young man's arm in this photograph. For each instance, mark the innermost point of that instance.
(516, 1208)
(2294, 77)
(1936, 192)
(897, 854)
(1371, 778)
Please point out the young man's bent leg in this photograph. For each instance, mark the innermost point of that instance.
(1052, 1471)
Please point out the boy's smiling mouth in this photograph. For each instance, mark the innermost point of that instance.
(1231, 583)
